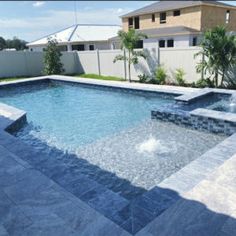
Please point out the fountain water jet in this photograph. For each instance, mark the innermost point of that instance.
(232, 103)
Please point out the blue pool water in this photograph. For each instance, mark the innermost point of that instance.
(106, 134)
(69, 115)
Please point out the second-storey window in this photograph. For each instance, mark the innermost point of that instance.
(227, 16)
(162, 17)
(136, 22)
(176, 13)
(153, 18)
(130, 22)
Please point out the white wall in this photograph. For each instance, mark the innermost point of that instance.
(175, 58)
(36, 48)
(19, 63)
(108, 67)
(87, 62)
(179, 41)
(25, 63)
(105, 45)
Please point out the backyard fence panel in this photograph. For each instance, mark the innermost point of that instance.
(19, 63)
(145, 66)
(87, 62)
(12, 64)
(174, 58)
(70, 63)
(107, 67)
(33, 63)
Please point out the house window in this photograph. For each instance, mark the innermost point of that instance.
(62, 48)
(153, 18)
(176, 13)
(227, 16)
(162, 43)
(162, 17)
(131, 22)
(78, 47)
(194, 41)
(136, 22)
(139, 44)
(91, 47)
(170, 43)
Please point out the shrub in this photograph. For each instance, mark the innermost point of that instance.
(143, 78)
(203, 83)
(161, 75)
(52, 61)
(179, 76)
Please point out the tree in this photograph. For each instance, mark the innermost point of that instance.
(16, 43)
(2, 43)
(129, 41)
(218, 53)
(52, 59)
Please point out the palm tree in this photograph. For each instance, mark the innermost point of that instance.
(218, 53)
(129, 42)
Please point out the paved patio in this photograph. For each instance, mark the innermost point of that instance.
(197, 200)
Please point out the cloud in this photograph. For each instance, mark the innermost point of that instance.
(38, 4)
(31, 28)
(120, 10)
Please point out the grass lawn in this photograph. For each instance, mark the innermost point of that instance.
(11, 79)
(89, 76)
(102, 77)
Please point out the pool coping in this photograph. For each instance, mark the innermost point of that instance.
(113, 84)
(182, 181)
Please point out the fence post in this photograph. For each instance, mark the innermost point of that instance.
(125, 69)
(158, 55)
(26, 64)
(98, 60)
(202, 72)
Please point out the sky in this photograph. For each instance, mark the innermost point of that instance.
(31, 20)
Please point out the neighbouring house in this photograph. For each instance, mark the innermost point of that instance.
(177, 23)
(79, 37)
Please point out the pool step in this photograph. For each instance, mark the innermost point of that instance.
(196, 171)
(207, 209)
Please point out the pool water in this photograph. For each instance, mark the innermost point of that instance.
(225, 105)
(106, 134)
(68, 116)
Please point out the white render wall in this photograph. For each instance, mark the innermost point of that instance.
(179, 41)
(19, 63)
(25, 63)
(174, 58)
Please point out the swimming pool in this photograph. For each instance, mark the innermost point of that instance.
(108, 132)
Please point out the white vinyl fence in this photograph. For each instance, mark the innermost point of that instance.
(26, 63)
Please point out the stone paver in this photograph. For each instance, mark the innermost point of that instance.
(32, 204)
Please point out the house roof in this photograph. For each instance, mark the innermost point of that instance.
(80, 33)
(171, 5)
(165, 31)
